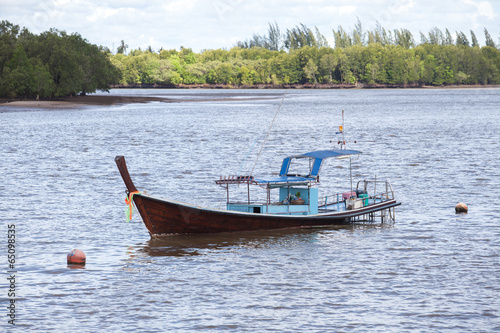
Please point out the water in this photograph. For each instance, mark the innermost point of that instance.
(430, 271)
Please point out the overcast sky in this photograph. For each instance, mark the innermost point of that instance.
(213, 24)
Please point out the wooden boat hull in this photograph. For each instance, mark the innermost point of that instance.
(167, 217)
(164, 217)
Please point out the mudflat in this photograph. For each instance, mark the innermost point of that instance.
(78, 101)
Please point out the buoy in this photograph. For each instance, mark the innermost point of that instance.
(461, 208)
(76, 257)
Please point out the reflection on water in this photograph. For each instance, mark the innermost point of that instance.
(187, 245)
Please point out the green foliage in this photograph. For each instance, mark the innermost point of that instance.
(489, 40)
(310, 70)
(462, 39)
(122, 48)
(299, 37)
(293, 39)
(56, 64)
(8, 39)
(441, 62)
(328, 64)
(51, 64)
(42, 80)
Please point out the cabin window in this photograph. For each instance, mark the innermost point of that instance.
(256, 210)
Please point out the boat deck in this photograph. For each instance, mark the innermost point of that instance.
(357, 204)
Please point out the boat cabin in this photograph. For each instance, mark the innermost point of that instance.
(296, 192)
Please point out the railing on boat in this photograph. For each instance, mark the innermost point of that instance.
(361, 196)
(366, 193)
(286, 205)
(227, 180)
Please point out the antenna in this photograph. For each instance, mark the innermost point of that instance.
(341, 131)
(342, 143)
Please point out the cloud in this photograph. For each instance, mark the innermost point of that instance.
(101, 13)
(179, 7)
(344, 10)
(483, 8)
(479, 12)
(402, 7)
(220, 23)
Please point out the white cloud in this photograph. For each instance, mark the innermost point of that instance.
(402, 7)
(480, 11)
(213, 24)
(61, 2)
(101, 13)
(180, 7)
(485, 8)
(344, 10)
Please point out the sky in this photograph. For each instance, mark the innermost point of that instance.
(214, 24)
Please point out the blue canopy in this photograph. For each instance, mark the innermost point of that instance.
(318, 157)
(284, 180)
(284, 176)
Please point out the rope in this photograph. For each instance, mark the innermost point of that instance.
(130, 208)
(265, 140)
(242, 163)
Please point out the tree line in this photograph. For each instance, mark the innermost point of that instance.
(56, 64)
(51, 64)
(301, 36)
(302, 56)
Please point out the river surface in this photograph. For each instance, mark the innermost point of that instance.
(430, 271)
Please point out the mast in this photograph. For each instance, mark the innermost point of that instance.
(343, 146)
(342, 131)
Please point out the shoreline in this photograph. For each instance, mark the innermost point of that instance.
(107, 100)
(301, 86)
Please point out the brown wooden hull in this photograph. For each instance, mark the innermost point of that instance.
(163, 217)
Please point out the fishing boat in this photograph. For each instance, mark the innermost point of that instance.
(291, 201)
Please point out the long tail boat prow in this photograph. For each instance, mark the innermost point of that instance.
(295, 205)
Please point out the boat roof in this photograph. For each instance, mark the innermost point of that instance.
(281, 180)
(284, 177)
(318, 156)
(327, 153)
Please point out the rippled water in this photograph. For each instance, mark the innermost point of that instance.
(430, 271)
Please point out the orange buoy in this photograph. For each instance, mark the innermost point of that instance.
(461, 208)
(76, 257)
